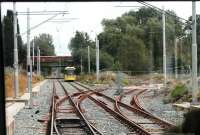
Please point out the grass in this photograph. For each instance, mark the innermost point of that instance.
(104, 78)
(9, 83)
(179, 91)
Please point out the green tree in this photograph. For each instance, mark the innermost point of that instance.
(78, 46)
(187, 44)
(8, 41)
(45, 43)
(132, 40)
(135, 34)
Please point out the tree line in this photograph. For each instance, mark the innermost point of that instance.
(44, 41)
(134, 41)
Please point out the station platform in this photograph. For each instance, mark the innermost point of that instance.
(13, 106)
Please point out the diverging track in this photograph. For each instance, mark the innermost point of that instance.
(66, 117)
(139, 120)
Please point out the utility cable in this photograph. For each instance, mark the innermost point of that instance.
(160, 10)
(40, 24)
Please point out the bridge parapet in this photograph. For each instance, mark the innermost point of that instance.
(53, 58)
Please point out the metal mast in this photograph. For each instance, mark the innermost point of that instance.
(88, 59)
(39, 64)
(38, 60)
(29, 68)
(97, 58)
(175, 56)
(164, 49)
(16, 70)
(81, 61)
(33, 50)
(194, 55)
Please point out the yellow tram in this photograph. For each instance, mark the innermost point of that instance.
(69, 74)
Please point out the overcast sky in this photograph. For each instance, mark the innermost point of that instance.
(89, 14)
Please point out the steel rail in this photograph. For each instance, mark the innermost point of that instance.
(137, 104)
(137, 128)
(92, 129)
(135, 109)
(138, 108)
(141, 110)
(52, 110)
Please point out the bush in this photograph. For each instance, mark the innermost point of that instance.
(126, 82)
(9, 79)
(179, 91)
(105, 78)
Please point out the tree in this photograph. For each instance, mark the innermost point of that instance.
(188, 28)
(132, 40)
(78, 46)
(105, 60)
(8, 41)
(135, 34)
(45, 43)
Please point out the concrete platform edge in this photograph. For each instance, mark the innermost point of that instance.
(15, 105)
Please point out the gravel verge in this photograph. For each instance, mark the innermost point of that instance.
(102, 120)
(154, 103)
(26, 120)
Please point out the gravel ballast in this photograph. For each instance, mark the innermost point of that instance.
(154, 104)
(101, 119)
(26, 120)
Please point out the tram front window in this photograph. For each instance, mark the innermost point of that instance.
(70, 72)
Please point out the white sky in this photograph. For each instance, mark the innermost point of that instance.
(89, 14)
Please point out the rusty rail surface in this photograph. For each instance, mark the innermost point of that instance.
(136, 127)
(138, 108)
(55, 122)
(136, 103)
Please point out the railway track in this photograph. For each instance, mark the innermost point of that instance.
(133, 97)
(141, 121)
(66, 117)
(136, 129)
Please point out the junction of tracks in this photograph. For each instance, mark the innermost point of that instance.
(74, 108)
(79, 109)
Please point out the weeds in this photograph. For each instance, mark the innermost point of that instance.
(9, 82)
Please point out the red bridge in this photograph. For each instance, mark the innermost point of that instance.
(53, 58)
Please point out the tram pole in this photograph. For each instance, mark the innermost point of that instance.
(38, 60)
(33, 53)
(164, 49)
(97, 58)
(88, 59)
(16, 68)
(194, 55)
(39, 64)
(175, 56)
(29, 67)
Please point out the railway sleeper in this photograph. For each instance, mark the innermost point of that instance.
(70, 123)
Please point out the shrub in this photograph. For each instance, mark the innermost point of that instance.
(125, 81)
(9, 82)
(179, 91)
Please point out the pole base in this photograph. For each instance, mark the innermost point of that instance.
(195, 103)
(28, 107)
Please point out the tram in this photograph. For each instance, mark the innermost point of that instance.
(69, 74)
